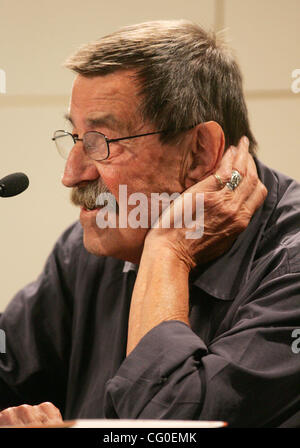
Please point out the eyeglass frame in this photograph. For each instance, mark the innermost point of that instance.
(76, 139)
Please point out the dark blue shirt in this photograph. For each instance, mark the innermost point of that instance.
(66, 333)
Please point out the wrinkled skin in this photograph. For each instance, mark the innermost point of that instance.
(25, 415)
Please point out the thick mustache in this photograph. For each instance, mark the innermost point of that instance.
(86, 196)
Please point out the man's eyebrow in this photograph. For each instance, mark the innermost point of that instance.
(98, 120)
(68, 117)
(103, 120)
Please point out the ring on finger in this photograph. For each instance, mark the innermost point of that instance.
(219, 180)
(236, 179)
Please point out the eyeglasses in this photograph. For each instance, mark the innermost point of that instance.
(95, 144)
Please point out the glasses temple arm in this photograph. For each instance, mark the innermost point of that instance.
(110, 140)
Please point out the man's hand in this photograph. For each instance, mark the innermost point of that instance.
(25, 415)
(226, 213)
(161, 291)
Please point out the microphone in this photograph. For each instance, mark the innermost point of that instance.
(13, 184)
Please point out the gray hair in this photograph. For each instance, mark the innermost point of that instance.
(186, 76)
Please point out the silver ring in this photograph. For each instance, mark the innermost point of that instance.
(219, 180)
(235, 180)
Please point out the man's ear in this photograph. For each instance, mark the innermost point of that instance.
(205, 153)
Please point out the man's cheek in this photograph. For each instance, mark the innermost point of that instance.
(111, 181)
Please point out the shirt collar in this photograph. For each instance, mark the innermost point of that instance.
(128, 266)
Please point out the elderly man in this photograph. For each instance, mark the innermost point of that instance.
(206, 333)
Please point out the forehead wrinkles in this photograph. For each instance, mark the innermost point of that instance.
(112, 88)
(111, 94)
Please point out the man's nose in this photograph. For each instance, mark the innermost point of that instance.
(79, 167)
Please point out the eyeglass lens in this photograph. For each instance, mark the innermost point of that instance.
(94, 144)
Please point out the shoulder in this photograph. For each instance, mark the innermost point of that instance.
(281, 235)
(69, 246)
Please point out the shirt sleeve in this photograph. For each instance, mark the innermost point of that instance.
(247, 376)
(37, 326)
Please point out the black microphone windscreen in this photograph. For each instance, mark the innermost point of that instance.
(13, 184)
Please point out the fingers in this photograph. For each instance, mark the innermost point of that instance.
(249, 195)
(234, 158)
(250, 191)
(245, 165)
(241, 159)
(51, 411)
(238, 159)
(10, 417)
(225, 168)
(43, 414)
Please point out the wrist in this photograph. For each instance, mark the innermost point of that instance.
(168, 251)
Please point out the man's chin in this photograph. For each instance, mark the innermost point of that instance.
(112, 243)
(92, 241)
